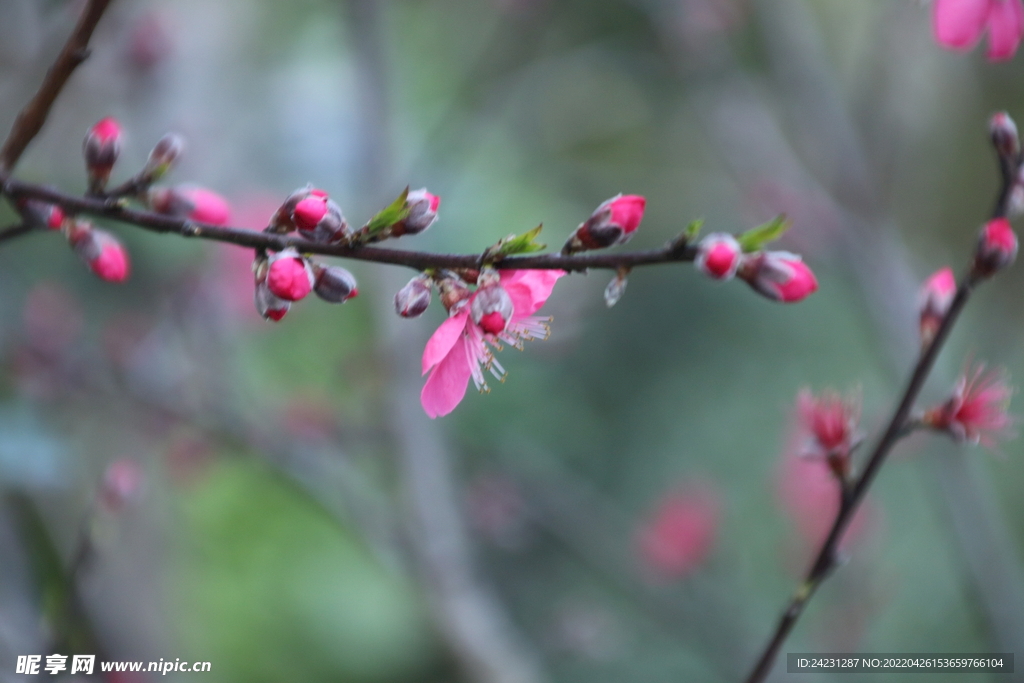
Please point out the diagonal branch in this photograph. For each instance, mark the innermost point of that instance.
(30, 120)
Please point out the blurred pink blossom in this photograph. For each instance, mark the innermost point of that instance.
(959, 25)
(679, 533)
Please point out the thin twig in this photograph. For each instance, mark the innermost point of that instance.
(30, 120)
(13, 231)
(899, 426)
(154, 222)
(826, 559)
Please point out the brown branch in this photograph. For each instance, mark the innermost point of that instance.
(13, 231)
(896, 429)
(154, 222)
(899, 426)
(30, 120)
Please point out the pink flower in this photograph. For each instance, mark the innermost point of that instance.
(935, 298)
(977, 410)
(997, 247)
(462, 347)
(959, 25)
(828, 427)
(679, 533)
(196, 203)
(613, 222)
(289, 277)
(718, 256)
(780, 276)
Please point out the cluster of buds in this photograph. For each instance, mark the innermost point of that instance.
(777, 275)
(103, 145)
(286, 277)
(315, 215)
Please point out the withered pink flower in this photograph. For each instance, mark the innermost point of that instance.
(977, 410)
(463, 346)
(959, 25)
(679, 533)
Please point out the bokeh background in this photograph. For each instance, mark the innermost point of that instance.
(628, 505)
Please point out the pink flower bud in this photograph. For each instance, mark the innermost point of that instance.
(268, 305)
(935, 298)
(122, 484)
(163, 157)
(315, 215)
(1004, 136)
(39, 214)
(454, 293)
(101, 251)
(719, 256)
(997, 247)
(101, 148)
(289, 276)
(334, 284)
(779, 276)
(413, 299)
(190, 201)
(422, 213)
(614, 222)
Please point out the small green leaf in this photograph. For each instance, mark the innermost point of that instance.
(515, 244)
(755, 238)
(391, 214)
(693, 230)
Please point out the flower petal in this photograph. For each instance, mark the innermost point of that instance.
(1005, 27)
(529, 289)
(446, 386)
(443, 339)
(959, 23)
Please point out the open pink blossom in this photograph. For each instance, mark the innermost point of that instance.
(461, 349)
(977, 410)
(959, 25)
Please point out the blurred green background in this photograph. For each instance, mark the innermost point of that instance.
(299, 518)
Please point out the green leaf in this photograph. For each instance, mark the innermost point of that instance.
(755, 238)
(693, 230)
(391, 214)
(515, 244)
